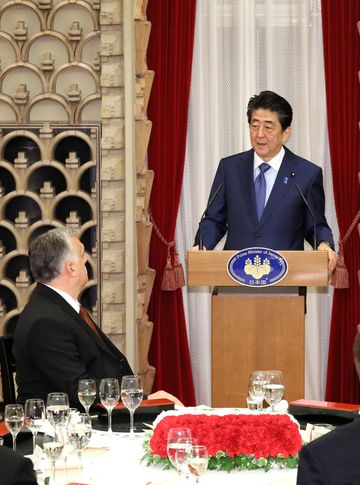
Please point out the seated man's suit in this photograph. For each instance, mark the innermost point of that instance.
(54, 348)
(332, 459)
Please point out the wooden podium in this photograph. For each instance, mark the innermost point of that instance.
(256, 328)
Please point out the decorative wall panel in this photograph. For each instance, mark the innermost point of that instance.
(61, 74)
(49, 44)
(48, 178)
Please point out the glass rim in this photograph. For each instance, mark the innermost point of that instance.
(14, 405)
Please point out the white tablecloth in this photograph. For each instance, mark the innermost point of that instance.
(121, 464)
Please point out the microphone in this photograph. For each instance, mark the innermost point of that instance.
(308, 208)
(211, 200)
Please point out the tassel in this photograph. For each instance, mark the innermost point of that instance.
(179, 271)
(169, 278)
(340, 277)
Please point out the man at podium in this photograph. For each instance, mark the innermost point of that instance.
(267, 196)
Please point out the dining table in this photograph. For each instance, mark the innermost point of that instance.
(114, 458)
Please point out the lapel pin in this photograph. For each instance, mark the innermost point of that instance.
(285, 180)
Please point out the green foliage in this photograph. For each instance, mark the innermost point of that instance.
(222, 461)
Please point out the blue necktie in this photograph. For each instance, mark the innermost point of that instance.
(260, 189)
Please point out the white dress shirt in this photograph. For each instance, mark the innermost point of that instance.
(271, 174)
(74, 303)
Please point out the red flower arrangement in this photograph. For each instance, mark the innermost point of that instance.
(244, 441)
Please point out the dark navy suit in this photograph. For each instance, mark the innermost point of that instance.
(15, 469)
(332, 459)
(285, 222)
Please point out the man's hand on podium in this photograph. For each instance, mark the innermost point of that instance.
(332, 256)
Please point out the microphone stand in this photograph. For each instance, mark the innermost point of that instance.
(311, 213)
(201, 245)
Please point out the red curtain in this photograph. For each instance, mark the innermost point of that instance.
(342, 62)
(170, 56)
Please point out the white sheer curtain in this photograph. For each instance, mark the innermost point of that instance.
(241, 48)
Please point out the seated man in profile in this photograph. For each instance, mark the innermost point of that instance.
(333, 459)
(54, 346)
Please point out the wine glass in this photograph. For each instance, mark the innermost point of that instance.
(197, 461)
(274, 387)
(79, 432)
(256, 386)
(181, 454)
(57, 408)
(34, 416)
(14, 420)
(109, 393)
(174, 435)
(131, 396)
(87, 393)
(53, 445)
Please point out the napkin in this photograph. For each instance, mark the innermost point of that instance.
(314, 431)
(282, 406)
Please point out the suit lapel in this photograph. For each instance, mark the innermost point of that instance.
(246, 178)
(98, 337)
(282, 184)
(101, 339)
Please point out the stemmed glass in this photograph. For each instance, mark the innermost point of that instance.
(79, 432)
(14, 420)
(34, 416)
(174, 435)
(109, 393)
(57, 408)
(256, 386)
(131, 396)
(53, 445)
(274, 387)
(197, 461)
(87, 393)
(181, 454)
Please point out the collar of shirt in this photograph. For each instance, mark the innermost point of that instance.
(74, 303)
(274, 162)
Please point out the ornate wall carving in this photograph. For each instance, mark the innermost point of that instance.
(61, 79)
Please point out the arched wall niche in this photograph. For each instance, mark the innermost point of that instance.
(85, 18)
(9, 53)
(48, 108)
(47, 193)
(17, 19)
(46, 45)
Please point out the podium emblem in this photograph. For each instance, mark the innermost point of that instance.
(257, 267)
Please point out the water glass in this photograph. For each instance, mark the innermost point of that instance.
(274, 388)
(182, 454)
(53, 445)
(79, 432)
(256, 386)
(109, 394)
(14, 420)
(198, 460)
(34, 416)
(57, 408)
(87, 393)
(131, 396)
(252, 404)
(174, 435)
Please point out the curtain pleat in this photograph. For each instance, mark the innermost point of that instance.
(170, 56)
(341, 57)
